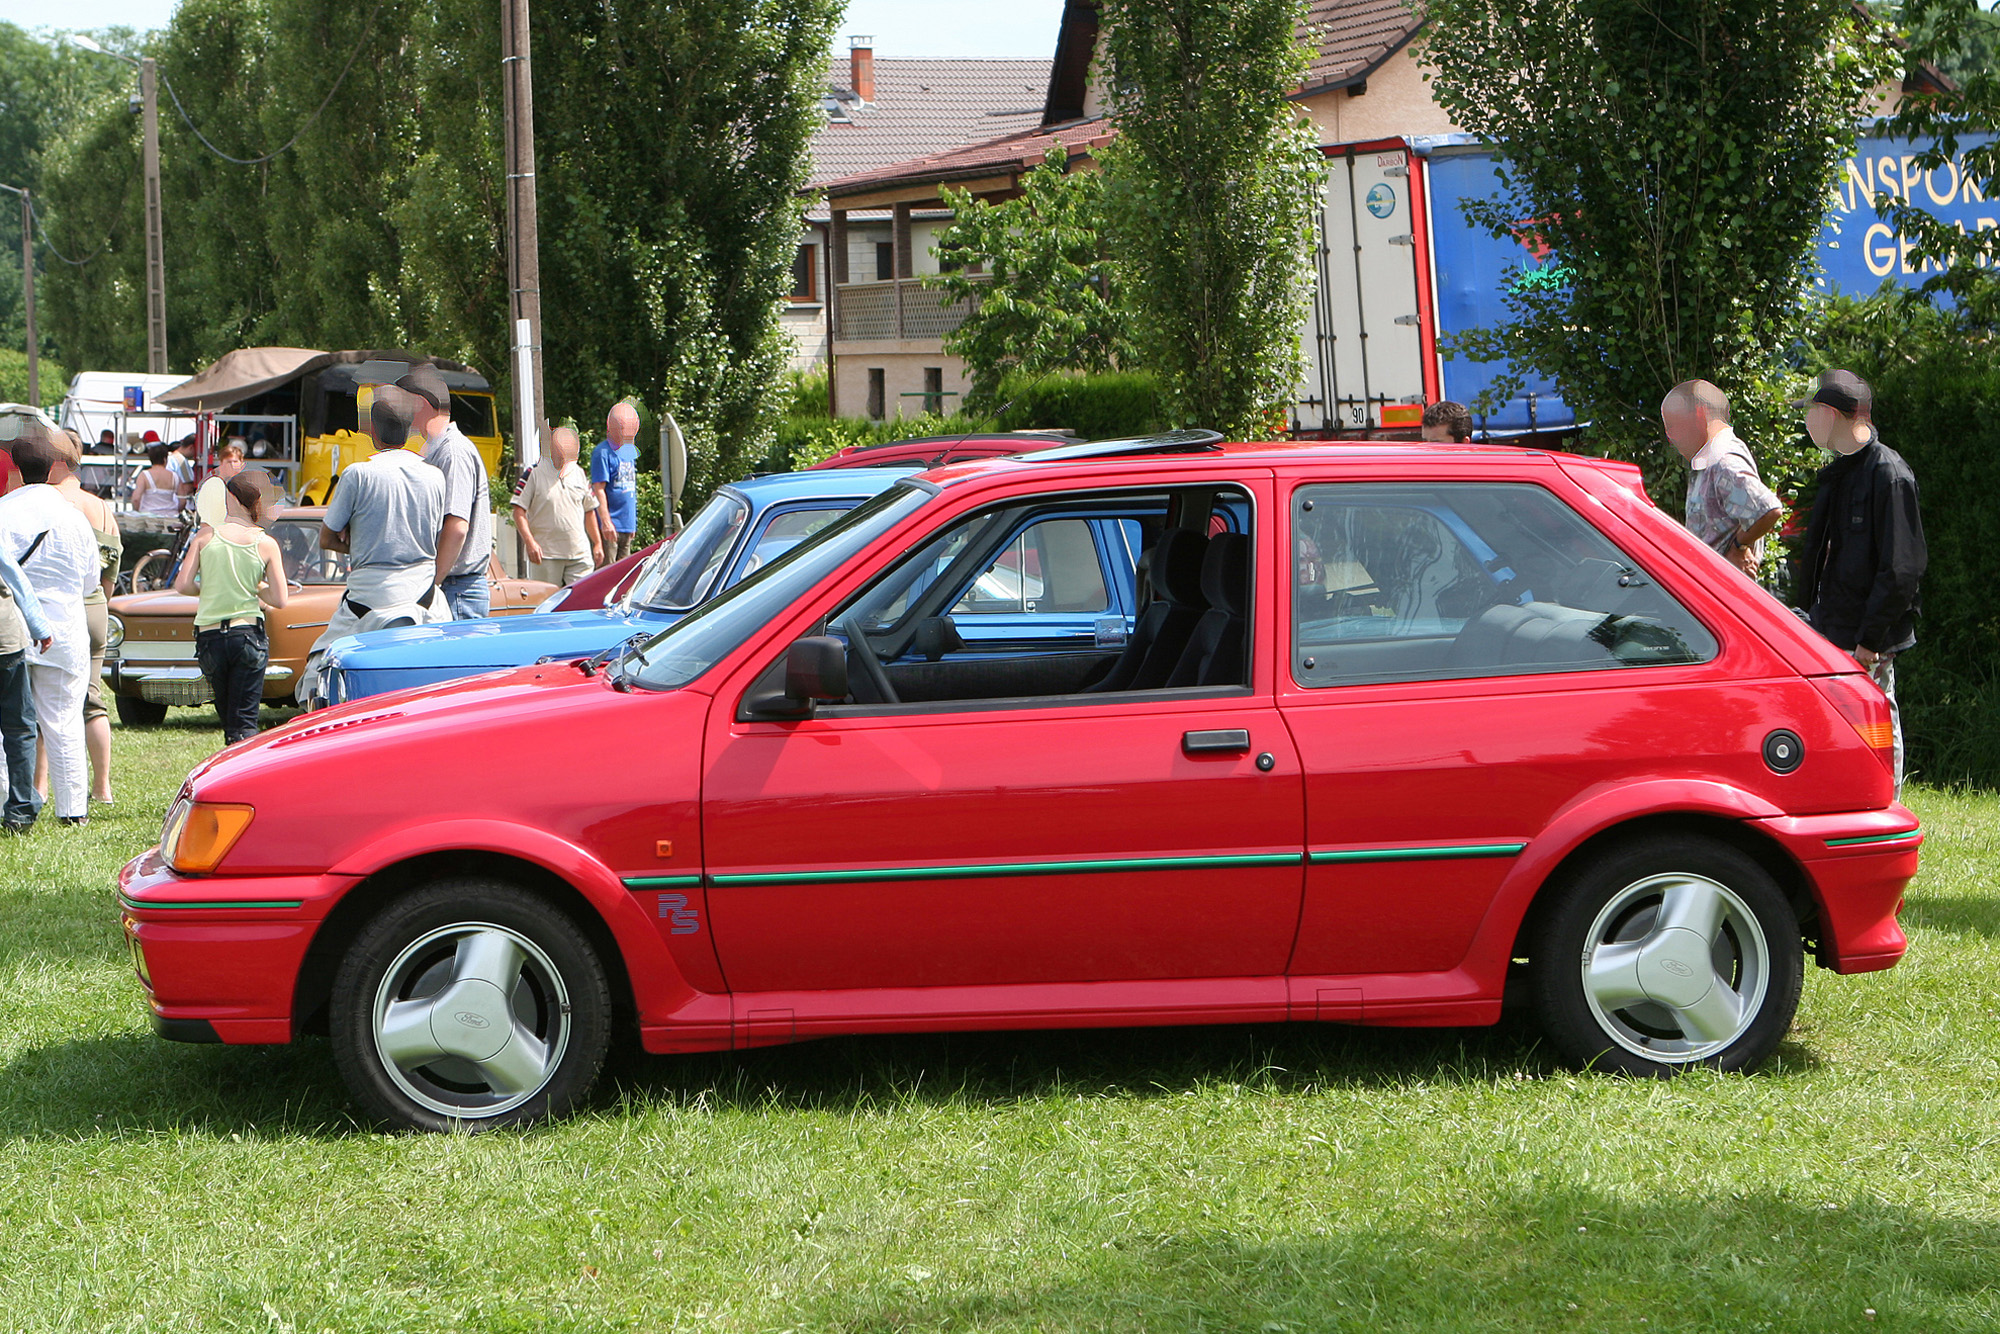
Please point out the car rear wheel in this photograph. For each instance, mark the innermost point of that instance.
(136, 712)
(1666, 954)
(468, 1005)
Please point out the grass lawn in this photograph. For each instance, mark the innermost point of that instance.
(1261, 1179)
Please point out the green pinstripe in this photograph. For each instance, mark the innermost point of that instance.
(1451, 852)
(1873, 838)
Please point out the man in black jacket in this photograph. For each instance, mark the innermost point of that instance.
(1864, 551)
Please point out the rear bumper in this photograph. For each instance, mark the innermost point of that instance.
(219, 957)
(1859, 865)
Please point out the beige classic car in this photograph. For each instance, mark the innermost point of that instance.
(149, 662)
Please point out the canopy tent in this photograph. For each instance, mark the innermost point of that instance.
(249, 371)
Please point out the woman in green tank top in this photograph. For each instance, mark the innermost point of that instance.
(236, 571)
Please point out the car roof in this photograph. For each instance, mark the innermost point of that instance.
(777, 487)
(1163, 456)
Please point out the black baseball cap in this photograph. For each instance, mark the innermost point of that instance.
(1843, 391)
(426, 383)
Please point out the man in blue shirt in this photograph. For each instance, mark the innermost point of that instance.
(614, 477)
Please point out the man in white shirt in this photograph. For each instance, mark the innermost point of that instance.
(181, 464)
(552, 512)
(385, 513)
(57, 550)
(465, 540)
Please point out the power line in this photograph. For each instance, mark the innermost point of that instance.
(366, 29)
(43, 232)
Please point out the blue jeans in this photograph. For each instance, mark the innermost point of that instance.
(233, 660)
(469, 595)
(17, 739)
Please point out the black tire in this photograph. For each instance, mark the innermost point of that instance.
(136, 712)
(1607, 913)
(420, 947)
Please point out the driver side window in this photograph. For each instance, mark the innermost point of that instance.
(1044, 599)
(1051, 566)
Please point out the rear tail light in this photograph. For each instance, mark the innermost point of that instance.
(1861, 702)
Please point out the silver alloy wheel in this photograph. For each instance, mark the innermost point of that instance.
(471, 1020)
(1675, 968)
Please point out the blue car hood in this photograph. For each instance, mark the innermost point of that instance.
(511, 641)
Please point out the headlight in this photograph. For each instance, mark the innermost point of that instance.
(199, 834)
(114, 633)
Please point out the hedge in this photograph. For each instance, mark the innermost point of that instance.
(1942, 413)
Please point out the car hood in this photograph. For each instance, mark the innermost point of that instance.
(494, 642)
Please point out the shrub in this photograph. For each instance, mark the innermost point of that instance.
(1096, 407)
(1937, 403)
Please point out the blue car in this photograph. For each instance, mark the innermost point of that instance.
(1061, 586)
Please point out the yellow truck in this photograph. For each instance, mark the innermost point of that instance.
(300, 410)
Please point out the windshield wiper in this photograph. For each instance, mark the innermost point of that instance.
(609, 657)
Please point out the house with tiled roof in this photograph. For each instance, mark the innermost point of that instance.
(1363, 90)
(887, 330)
(880, 112)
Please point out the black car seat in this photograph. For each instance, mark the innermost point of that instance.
(1215, 653)
(1163, 628)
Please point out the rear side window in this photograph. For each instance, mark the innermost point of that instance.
(1410, 583)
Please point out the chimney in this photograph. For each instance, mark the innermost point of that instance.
(861, 66)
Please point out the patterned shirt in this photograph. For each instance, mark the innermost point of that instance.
(1725, 494)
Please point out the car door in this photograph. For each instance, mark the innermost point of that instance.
(1067, 838)
(1465, 658)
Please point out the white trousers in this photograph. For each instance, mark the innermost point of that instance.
(59, 679)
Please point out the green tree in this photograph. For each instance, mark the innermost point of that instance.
(1676, 156)
(46, 85)
(1033, 269)
(1962, 39)
(1210, 190)
(671, 165)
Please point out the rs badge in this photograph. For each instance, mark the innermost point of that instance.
(685, 920)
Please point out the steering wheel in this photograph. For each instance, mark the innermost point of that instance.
(859, 648)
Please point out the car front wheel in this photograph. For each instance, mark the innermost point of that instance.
(136, 712)
(1665, 954)
(468, 1005)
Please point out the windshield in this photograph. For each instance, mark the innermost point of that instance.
(686, 571)
(305, 562)
(698, 641)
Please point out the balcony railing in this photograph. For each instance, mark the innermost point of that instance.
(899, 309)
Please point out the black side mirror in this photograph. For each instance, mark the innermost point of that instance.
(816, 668)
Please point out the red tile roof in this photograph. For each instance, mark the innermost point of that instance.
(923, 107)
(1357, 35)
(1007, 153)
(1354, 37)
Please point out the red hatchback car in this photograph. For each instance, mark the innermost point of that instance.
(1393, 725)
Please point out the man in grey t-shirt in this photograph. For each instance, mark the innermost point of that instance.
(465, 540)
(385, 513)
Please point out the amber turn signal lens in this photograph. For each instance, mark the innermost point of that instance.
(207, 833)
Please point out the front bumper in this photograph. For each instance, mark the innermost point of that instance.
(219, 956)
(1859, 865)
(176, 683)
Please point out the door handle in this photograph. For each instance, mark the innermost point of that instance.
(1227, 741)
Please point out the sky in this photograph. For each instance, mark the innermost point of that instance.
(916, 29)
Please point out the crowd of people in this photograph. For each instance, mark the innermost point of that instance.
(418, 531)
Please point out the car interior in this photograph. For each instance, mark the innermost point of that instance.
(1397, 582)
(1045, 573)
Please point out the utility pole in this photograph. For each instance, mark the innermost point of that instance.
(156, 263)
(524, 269)
(28, 294)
